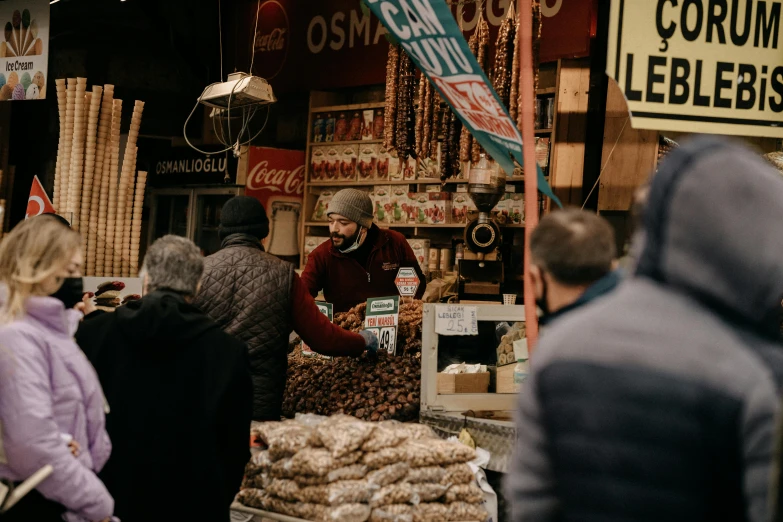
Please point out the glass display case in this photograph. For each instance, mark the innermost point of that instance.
(190, 212)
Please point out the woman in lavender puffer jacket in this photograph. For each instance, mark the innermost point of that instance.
(48, 389)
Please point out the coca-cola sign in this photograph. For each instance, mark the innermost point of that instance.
(271, 40)
(275, 177)
(264, 177)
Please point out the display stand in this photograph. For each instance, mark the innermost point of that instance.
(446, 412)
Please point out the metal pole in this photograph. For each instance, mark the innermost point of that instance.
(527, 108)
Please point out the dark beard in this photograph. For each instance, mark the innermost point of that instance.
(348, 241)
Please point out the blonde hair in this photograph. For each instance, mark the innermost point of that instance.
(34, 250)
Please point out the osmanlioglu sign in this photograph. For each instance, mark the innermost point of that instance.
(708, 66)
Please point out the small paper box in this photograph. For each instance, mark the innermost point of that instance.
(449, 384)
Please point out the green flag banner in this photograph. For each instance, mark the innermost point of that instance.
(430, 35)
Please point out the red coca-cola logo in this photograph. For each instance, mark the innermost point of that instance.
(272, 39)
(290, 182)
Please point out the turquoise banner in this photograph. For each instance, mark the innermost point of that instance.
(428, 32)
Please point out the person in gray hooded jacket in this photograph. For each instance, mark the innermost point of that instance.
(658, 402)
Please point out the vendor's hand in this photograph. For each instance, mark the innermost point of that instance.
(370, 342)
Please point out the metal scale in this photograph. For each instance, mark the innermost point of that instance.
(481, 269)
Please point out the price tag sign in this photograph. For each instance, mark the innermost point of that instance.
(456, 320)
(382, 318)
(407, 282)
(328, 310)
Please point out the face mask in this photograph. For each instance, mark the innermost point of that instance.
(356, 243)
(542, 301)
(71, 292)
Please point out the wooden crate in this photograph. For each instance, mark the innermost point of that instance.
(463, 383)
(505, 379)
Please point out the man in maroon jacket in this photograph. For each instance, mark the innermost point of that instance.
(361, 260)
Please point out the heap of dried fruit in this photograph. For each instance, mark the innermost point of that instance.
(370, 388)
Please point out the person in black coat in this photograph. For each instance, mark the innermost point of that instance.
(179, 396)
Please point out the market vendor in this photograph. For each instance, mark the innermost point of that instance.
(361, 260)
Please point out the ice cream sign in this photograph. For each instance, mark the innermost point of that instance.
(24, 49)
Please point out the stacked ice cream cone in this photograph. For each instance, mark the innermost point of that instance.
(99, 195)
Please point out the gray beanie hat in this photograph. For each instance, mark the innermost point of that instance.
(353, 204)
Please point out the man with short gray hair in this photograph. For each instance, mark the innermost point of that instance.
(173, 263)
(180, 394)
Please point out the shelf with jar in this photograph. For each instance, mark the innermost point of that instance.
(345, 149)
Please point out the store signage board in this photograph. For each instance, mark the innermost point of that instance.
(407, 282)
(24, 51)
(428, 32)
(456, 320)
(328, 310)
(699, 66)
(319, 44)
(176, 166)
(381, 318)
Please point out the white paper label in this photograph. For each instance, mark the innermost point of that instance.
(456, 320)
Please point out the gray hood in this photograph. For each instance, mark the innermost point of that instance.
(713, 228)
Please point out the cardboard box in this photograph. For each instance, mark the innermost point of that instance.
(368, 161)
(428, 169)
(515, 204)
(505, 379)
(333, 157)
(409, 167)
(421, 249)
(395, 170)
(439, 208)
(322, 205)
(463, 383)
(399, 204)
(348, 161)
(382, 198)
(386, 167)
(419, 202)
(318, 164)
(459, 207)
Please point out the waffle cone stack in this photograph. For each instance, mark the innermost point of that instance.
(62, 103)
(77, 153)
(114, 179)
(95, 203)
(65, 171)
(91, 147)
(138, 204)
(93, 188)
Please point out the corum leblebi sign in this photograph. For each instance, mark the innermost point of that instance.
(711, 66)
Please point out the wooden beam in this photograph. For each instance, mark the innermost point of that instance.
(568, 148)
(629, 155)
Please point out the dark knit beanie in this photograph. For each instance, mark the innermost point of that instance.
(246, 215)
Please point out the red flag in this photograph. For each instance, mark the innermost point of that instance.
(38, 203)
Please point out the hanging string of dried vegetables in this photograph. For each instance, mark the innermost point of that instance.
(406, 114)
(466, 139)
(426, 139)
(482, 29)
(390, 112)
(513, 108)
(420, 115)
(536, 7)
(504, 57)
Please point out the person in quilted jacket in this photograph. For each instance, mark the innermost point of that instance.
(260, 300)
(49, 393)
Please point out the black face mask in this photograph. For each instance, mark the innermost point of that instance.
(71, 292)
(542, 301)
